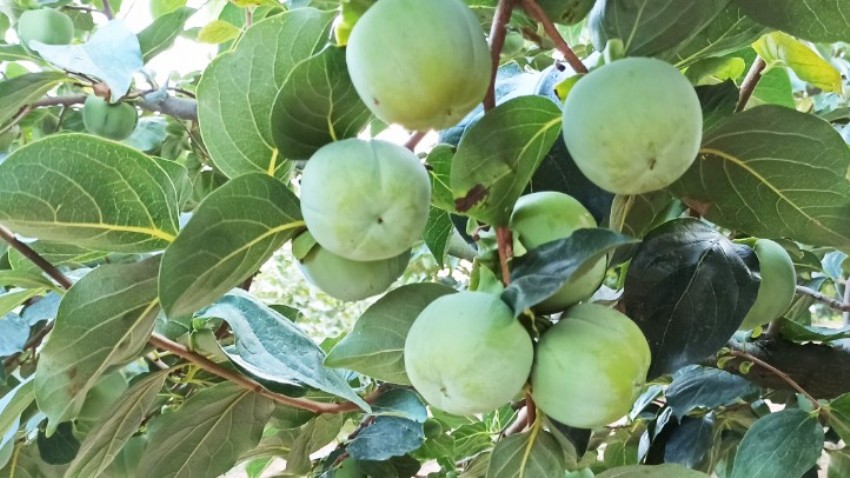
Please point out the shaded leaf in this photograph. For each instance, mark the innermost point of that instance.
(790, 330)
(839, 416)
(160, 35)
(272, 348)
(103, 321)
(375, 347)
(717, 102)
(497, 157)
(657, 471)
(385, 438)
(313, 436)
(688, 291)
(317, 105)
(14, 332)
(25, 89)
(730, 30)
(690, 442)
(534, 454)
(785, 443)
(773, 172)
(780, 49)
(813, 20)
(88, 191)
(206, 435)
(59, 448)
(234, 231)
(704, 387)
(237, 90)
(14, 403)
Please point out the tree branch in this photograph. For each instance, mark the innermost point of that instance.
(498, 30)
(414, 140)
(180, 108)
(533, 8)
(779, 373)
(107, 10)
(750, 83)
(35, 258)
(831, 303)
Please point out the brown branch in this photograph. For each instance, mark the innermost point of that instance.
(498, 30)
(107, 10)
(180, 108)
(35, 258)
(829, 302)
(414, 140)
(750, 83)
(505, 244)
(779, 373)
(533, 8)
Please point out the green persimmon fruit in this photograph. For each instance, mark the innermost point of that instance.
(421, 64)
(547, 216)
(466, 353)
(109, 121)
(46, 25)
(348, 469)
(633, 126)
(778, 284)
(349, 280)
(365, 200)
(590, 367)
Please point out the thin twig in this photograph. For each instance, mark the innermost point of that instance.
(779, 373)
(831, 303)
(750, 83)
(505, 244)
(498, 30)
(537, 13)
(414, 140)
(35, 258)
(16, 119)
(107, 10)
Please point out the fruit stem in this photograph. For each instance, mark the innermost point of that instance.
(533, 8)
(414, 140)
(498, 30)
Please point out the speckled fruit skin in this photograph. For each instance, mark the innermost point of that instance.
(46, 25)
(421, 64)
(778, 284)
(467, 354)
(365, 200)
(590, 367)
(633, 126)
(349, 280)
(115, 122)
(543, 217)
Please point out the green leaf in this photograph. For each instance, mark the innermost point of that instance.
(703, 387)
(112, 54)
(839, 416)
(440, 161)
(25, 89)
(233, 232)
(103, 321)
(317, 105)
(498, 155)
(839, 463)
(90, 192)
(235, 95)
(59, 448)
(164, 7)
(658, 471)
(218, 31)
(790, 330)
(730, 30)
(207, 434)
(272, 348)
(375, 347)
(11, 300)
(785, 443)
(385, 438)
(160, 35)
(780, 49)
(814, 20)
(438, 230)
(14, 403)
(773, 172)
(24, 279)
(313, 436)
(534, 454)
(119, 423)
(16, 53)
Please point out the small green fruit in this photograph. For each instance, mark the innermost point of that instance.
(543, 217)
(350, 280)
(46, 25)
(421, 64)
(110, 121)
(467, 354)
(365, 200)
(778, 284)
(590, 367)
(633, 126)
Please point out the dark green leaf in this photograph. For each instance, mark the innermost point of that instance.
(795, 332)
(773, 172)
(785, 443)
(207, 434)
(730, 30)
(160, 35)
(272, 348)
(119, 423)
(385, 438)
(566, 12)
(90, 192)
(401, 403)
(103, 321)
(25, 89)
(839, 463)
(839, 416)
(718, 102)
(540, 273)
(375, 346)
(237, 91)
(690, 442)
(317, 105)
(658, 471)
(313, 436)
(688, 291)
(438, 230)
(813, 20)
(13, 404)
(59, 448)
(498, 155)
(233, 232)
(534, 454)
(703, 387)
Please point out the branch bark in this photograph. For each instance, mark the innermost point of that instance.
(750, 83)
(533, 8)
(180, 108)
(829, 302)
(498, 30)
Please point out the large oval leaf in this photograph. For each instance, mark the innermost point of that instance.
(237, 91)
(813, 20)
(91, 192)
(773, 172)
(785, 443)
(103, 321)
(688, 291)
(25, 89)
(534, 454)
(233, 232)
(658, 471)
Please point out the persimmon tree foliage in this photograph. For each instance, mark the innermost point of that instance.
(644, 207)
